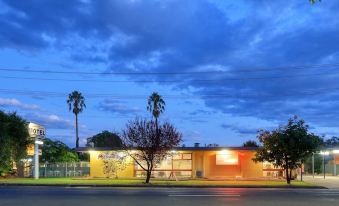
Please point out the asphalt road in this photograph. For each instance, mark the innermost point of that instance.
(63, 196)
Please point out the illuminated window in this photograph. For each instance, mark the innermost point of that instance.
(226, 157)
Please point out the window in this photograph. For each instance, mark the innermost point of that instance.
(180, 164)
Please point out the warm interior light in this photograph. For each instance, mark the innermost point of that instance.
(224, 152)
(226, 157)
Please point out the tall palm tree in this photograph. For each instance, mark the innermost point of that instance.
(77, 102)
(156, 105)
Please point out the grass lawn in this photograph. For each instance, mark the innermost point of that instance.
(138, 182)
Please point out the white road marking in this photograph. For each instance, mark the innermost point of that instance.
(183, 195)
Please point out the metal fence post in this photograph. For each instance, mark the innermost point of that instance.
(66, 169)
(313, 164)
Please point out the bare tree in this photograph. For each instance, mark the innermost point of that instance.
(147, 145)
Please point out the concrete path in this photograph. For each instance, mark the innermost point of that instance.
(330, 182)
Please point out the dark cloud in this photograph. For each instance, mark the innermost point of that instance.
(84, 58)
(241, 129)
(202, 112)
(182, 36)
(116, 106)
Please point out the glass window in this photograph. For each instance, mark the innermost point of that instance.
(187, 156)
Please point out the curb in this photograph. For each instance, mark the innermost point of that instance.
(161, 186)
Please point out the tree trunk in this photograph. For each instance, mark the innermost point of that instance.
(76, 131)
(157, 132)
(290, 175)
(287, 176)
(148, 176)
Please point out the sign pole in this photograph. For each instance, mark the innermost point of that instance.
(37, 133)
(36, 160)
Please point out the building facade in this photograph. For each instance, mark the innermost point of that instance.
(184, 162)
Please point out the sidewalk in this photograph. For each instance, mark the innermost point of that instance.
(331, 182)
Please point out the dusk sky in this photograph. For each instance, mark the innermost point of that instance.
(224, 68)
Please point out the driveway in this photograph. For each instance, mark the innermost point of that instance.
(331, 182)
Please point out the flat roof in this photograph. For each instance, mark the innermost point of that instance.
(86, 149)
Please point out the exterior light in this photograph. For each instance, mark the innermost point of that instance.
(120, 154)
(336, 151)
(324, 152)
(39, 142)
(224, 152)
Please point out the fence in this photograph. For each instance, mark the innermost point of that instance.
(331, 166)
(76, 169)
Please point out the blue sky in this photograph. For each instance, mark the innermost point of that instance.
(224, 68)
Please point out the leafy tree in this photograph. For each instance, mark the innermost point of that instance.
(57, 151)
(76, 104)
(14, 139)
(250, 143)
(332, 142)
(151, 144)
(105, 139)
(314, 1)
(287, 146)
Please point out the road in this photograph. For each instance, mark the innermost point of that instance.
(63, 196)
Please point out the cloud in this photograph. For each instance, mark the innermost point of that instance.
(116, 106)
(84, 58)
(237, 37)
(51, 121)
(241, 129)
(16, 103)
(199, 112)
(192, 136)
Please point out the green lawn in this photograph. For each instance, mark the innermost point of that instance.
(138, 182)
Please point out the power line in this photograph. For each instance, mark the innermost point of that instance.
(138, 96)
(171, 73)
(170, 81)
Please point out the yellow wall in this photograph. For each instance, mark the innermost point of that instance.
(97, 169)
(250, 169)
(204, 161)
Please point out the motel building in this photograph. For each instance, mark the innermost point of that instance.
(188, 162)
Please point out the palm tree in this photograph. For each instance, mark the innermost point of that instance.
(156, 105)
(77, 102)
